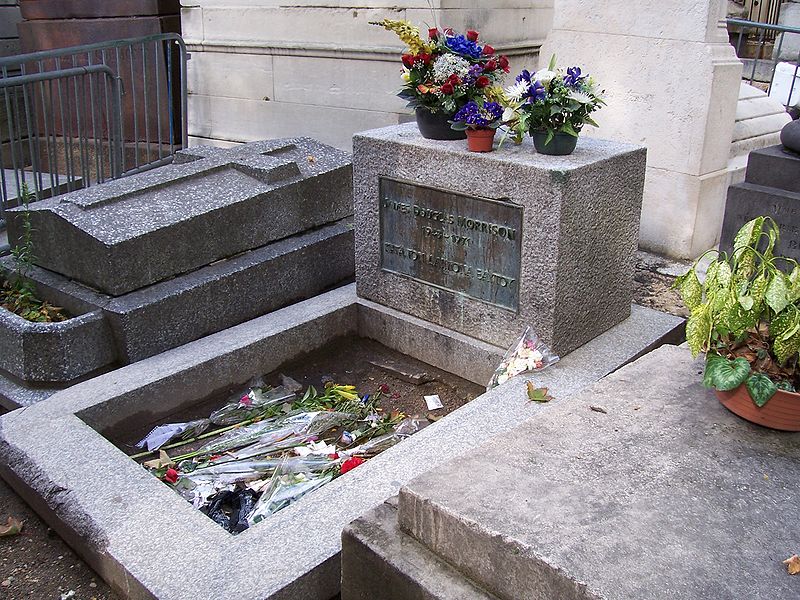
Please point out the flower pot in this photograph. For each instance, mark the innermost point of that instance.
(480, 140)
(782, 411)
(436, 126)
(561, 144)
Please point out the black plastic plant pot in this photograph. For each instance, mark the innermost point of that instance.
(435, 126)
(561, 144)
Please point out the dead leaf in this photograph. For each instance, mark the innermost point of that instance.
(12, 527)
(312, 159)
(793, 564)
(163, 460)
(599, 409)
(537, 394)
(433, 418)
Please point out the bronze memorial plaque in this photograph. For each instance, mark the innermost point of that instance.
(453, 241)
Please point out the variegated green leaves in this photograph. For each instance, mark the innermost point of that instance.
(725, 375)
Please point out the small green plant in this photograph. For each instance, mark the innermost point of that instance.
(18, 294)
(745, 315)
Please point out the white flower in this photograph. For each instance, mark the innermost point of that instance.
(405, 76)
(515, 92)
(544, 76)
(508, 114)
(447, 65)
(579, 96)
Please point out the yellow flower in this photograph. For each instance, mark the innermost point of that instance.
(407, 33)
(405, 76)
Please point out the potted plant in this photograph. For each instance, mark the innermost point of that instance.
(480, 121)
(553, 106)
(745, 316)
(443, 73)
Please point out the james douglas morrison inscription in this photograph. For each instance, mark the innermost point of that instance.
(460, 243)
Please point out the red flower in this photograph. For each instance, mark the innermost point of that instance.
(384, 388)
(433, 33)
(448, 31)
(482, 81)
(171, 476)
(488, 50)
(246, 400)
(504, 63)
(454, 79)
(351, 463)
(490, 66)
(333, 456)
(426, 58)
(448, 88)
(408, 60)
(472, 35)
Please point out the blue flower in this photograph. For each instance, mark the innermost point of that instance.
(461, 45)
(472, 114)
(524, 76)
(573, 77)
(536, 92)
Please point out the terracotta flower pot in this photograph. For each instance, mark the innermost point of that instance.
(480, 140)
(782, 411)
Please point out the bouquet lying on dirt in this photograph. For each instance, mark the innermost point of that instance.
(271, 448)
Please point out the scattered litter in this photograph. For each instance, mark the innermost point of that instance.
(793, 564)
(415, 378)
(433, 402)
(537, 394)
(68, 595)
(12, 527)
(529, 353)
(272, 446)
(599, 409)
(162, 434)
(433, 417)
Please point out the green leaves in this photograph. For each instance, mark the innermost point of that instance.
(698, 329)
(690, 289)
(777, 293)
(724, 374)
(784, 329)
(748, 235)
(761, 388)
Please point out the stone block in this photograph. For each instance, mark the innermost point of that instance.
(379, 561)
(9, 18)
(774, 167)
(126, 234)
(231, 75)
(663, 461)
(787, 45)
(135, 531)
(530, 239)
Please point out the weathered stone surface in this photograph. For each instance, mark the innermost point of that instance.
(584, 504)
(211, 204)
(771, 188)
(377, 558)
(136, 531)
(580, 217)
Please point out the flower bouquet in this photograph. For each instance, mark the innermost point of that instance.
(552, 106)
(480, 120)
(445, 72)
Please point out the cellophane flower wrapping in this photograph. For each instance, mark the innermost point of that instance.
(527, 354)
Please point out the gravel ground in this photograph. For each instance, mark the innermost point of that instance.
(37, 564)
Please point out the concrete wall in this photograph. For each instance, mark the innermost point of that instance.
(260, 69)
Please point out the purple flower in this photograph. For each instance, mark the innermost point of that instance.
(474, 72)
(573, 76)
(536, 92)
(524, 76)
(474, 115)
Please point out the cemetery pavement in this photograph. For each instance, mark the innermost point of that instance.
(38, 564)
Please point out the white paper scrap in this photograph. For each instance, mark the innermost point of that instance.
(433, 402)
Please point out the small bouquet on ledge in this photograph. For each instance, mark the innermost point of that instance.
(553, 106)
(445, 72)
(480, 120)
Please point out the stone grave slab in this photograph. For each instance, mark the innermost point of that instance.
(487, 244)
(771, 187)
(211, 203)
(659, 492)
(148, 542)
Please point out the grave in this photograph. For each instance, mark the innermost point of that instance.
(146, 541)
(772, 188)
(656, 492)
(153, 261)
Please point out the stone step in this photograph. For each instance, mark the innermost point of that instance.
(656, 492)
(765, 125)
(379, 561)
